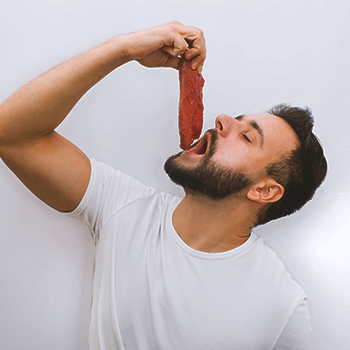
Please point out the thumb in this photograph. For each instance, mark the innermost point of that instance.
(176, 47)
(173, 62)
(173, 51)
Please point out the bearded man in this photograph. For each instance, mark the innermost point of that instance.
(174, 273)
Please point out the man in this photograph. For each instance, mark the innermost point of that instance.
(174, 273)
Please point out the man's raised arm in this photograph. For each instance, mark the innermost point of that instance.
(54, 169)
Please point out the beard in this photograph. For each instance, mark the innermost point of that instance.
(208, 178)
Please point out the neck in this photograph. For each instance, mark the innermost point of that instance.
(213, 226)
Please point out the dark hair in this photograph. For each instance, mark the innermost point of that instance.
(302, 171)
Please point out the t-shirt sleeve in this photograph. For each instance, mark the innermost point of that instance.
(296, 335)
(108, 191)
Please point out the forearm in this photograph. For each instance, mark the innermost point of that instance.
(40, 106)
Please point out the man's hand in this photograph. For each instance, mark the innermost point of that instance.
(161, 46)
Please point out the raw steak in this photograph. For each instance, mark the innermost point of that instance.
(190, 105)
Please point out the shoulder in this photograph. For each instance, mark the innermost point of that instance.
(124, 193)
(275, 274)
(109, 192)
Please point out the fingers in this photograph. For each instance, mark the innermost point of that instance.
(175, 51)
(162, 45)
(197, 51)
(197, 61)
(190, 39)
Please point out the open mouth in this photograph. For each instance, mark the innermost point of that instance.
(200, 147)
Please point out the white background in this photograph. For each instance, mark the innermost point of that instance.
(260, 53)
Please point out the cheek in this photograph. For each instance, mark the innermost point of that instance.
(235, 157)
(242, 159)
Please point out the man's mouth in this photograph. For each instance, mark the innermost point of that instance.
(201, 147)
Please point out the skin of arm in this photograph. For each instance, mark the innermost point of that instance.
(53, 168)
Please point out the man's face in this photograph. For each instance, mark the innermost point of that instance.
(233, 155)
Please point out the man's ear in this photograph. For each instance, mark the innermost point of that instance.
(266, 191)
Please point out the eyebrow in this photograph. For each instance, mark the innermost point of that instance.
(257, 127)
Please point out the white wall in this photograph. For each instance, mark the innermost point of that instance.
(259, 53)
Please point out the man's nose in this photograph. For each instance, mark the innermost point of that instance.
(225, 124)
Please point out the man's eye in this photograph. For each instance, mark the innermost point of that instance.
(246, 137)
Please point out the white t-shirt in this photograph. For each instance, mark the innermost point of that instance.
(153, 292)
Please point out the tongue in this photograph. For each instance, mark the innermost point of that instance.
(201, 147)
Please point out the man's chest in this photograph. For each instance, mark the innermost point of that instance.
(153, 295)
(166, 304)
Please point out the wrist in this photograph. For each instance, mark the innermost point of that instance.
(131, 44)
(118, 50)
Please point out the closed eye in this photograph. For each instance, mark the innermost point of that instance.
(246, 137)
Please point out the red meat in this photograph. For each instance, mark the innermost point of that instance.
(190, 105)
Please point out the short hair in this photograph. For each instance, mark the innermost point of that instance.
(301, 171)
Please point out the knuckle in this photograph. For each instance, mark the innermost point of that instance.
(175, 23)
